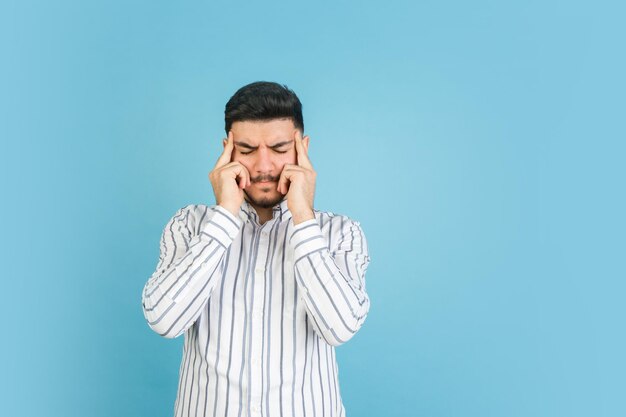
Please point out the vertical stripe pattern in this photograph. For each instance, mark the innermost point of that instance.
(261, 308)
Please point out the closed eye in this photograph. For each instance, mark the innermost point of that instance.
(275, 150)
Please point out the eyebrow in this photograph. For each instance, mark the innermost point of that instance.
(277, 145)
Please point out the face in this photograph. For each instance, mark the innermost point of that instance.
(264, 147)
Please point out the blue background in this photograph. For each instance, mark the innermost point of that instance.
(480, 144)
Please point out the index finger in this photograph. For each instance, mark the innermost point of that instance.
(226, 155)
(301, 152)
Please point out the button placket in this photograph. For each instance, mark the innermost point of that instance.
(257, 322)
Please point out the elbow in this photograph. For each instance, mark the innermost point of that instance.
(168, 335)
(165, 331)
(349, 327)
(158, 324)
(333, 340)
(331, 337)
(343, 328)
(337, 338)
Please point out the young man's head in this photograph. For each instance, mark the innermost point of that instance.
(265, 118)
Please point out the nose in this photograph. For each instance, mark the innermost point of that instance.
(263, 163)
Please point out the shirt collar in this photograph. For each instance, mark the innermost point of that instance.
(280, 211)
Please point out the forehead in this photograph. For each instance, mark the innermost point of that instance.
(258, 132)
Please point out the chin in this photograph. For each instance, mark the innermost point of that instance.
(265, 200)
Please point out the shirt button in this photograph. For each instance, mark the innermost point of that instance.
(256, 408)
(259, 270)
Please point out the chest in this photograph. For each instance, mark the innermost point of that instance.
(257, 274)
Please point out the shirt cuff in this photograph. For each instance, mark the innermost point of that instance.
(306, 238)
(223, 226)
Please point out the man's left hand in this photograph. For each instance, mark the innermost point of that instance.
(298, 182)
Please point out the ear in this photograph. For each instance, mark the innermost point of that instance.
(224, 142)
(305, 142)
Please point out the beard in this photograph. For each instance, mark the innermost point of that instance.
(265, 201)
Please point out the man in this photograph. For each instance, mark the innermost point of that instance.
(262, 285)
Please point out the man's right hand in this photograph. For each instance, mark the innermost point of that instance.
(229, 179)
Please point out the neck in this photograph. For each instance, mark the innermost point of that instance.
(264, 213)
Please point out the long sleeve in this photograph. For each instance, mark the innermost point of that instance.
(190, 264)
(332, 279)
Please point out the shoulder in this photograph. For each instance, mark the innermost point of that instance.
(191, 216)
(324, 216)
(336, 225)
(342, 232)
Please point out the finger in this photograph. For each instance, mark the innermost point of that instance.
(286, 177)
(301, 152)
(241, 173)
(283, 182)
(237, 172)
(243, 181)
(280, 182)
(226, 155)
(246, 175)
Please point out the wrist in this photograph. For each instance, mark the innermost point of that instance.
(303, 216)
(233, 209)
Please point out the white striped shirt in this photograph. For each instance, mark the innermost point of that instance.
(262, 308)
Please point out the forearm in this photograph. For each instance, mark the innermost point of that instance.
(332, 283)
(177, 291)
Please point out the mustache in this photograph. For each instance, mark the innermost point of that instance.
(265, 178)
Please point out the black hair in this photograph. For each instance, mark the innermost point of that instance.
(263, 101)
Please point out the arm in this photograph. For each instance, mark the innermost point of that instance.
(189, 267)
(332, 281)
